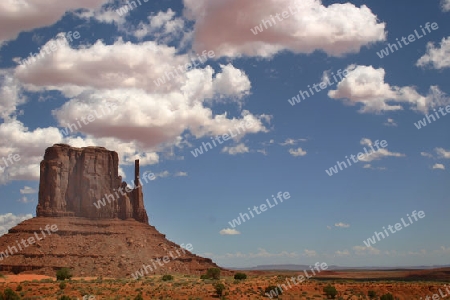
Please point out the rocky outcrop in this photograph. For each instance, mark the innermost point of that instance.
(114, 240)
(92, 248)
(73, 179)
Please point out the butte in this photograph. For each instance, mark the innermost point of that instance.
(114, 240)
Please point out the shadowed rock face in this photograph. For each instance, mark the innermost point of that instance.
(73, 179)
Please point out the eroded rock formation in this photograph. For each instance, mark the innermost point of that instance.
(73, 179)
(114, 240)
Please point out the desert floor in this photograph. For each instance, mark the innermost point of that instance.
(350, 286)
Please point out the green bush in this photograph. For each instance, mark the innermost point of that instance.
(62, 285)
(220, 287)
(387, 296)
(213, 273)
(330, 291)
(372, 294)
(240, 276)
(167, 277)
(64, 297)
(139, 297)
(9, 294)
(18, 288)
(273, 291)
(63, 274)
(204, 276)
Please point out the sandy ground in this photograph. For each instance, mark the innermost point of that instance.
(189, 287)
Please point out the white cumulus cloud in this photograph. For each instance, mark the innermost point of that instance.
(335, 29)
(297, 152)
(378, 154)
(9, 220)
(25, 15)
(342, 225)
(439, 166)
(238, 149)
(28, 190)
(365, 86)
(229, 231)
(436, 57)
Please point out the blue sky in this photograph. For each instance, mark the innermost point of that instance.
(118, 60)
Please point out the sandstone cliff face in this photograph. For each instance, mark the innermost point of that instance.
(73, 179)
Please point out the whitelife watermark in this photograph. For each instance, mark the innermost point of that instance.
(398, 227)
(262, 207)
(334, 170)
(323, 85)
(111, 108)
(436, 296)
(244, 125)
(53, 228)
(11, 157)
(50, 47)
(391, 48)
(423, 122)
(284, 15)
(278, 290)
(115, 196)
(129, 7)
(165, 259)
(183, 68)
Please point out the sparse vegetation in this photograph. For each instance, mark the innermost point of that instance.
(240, 276)
(219, 287)
(139, 297)
(273, 291)
(254, 287)
(167, 277)
(63, 274)
(387, 296)
(330, 291)
(211, 273)
(372, 294)
(9, 294)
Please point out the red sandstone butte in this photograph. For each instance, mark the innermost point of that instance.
(73, 179)
(113, 241)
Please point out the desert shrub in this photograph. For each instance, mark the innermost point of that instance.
(9, 294)
(18, 288)
(330, 291)
(219, 287)
(240, 276)
(387, 296)
(213, 273)
(139, 297)
(64, 297)
(371, 294)
(167, 277)
(273, 291)
(204, 276)
(62, 285)
(63, 274)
